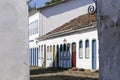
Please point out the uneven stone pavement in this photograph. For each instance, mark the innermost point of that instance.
(62, 74)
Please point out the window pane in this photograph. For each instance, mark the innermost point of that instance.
(80, 44)
(87, 49)
(87, 43)
(81, 49)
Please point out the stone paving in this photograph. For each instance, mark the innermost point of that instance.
(62, 74)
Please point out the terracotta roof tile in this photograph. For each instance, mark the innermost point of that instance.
(76, 23)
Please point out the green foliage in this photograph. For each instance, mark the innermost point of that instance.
(47, 3)
(52, 2)
(31, 8)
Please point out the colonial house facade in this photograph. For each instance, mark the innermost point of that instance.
(33, 34)
(65, 36)
(75, 44)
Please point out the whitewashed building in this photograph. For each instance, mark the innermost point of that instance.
(33, 34)
(58, 33)
(75, 44)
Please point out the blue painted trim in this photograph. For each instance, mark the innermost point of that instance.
(32, 57)
(37, 56)
(80, 47)
(93, 54)
(87, 44)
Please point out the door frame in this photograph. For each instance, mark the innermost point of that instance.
(74, 55)
(94, 53)
(44, 55)
(54, 56)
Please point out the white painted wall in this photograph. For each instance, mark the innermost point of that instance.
(34, 22)
(33, 37)
(81, 63)
(53, 17)
(56, 16)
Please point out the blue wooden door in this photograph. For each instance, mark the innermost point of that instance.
(58, 56)
(94, 54)
(37, 56)
(33, 56)
(61, 56)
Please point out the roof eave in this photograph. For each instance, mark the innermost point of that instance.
(62, 33)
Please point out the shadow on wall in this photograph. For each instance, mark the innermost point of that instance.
(61, 77)
(64, 7)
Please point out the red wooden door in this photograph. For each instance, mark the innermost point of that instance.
(73, 54)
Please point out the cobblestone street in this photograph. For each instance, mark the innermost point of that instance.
(62, 74)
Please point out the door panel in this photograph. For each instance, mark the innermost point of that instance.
(73, 54)
(44, 55)
(58, 56)
(54, 57)
(94, 54)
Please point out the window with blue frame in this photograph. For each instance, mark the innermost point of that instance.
(68, 51)
(87, 49)
(33, 28)
(80, 49)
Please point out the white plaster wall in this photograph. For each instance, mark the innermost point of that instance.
(14, 58)
(81, 63)
(87, 63)
(33, 18)
(33, 43)
(53, 17)
(41, 61)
